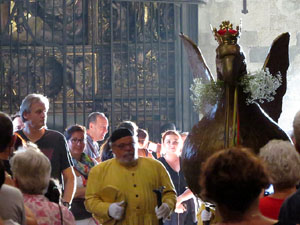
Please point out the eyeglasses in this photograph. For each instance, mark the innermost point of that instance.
(123, 146)
(75, 141)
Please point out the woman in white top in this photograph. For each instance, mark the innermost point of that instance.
(76, 138)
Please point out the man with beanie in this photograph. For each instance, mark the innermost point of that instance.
(121, 189)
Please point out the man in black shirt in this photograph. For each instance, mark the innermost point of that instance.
(33, 111)
(289, 211)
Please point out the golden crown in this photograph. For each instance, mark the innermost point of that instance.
(226, 34)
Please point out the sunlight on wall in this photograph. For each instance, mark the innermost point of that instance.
(291, 100)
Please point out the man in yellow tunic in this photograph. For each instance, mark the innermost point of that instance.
(120, 190)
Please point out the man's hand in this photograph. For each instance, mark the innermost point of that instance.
(116, 210)
(163, 211)
(180, 208)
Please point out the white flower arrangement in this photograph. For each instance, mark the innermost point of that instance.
(260, 85)
(205, 94)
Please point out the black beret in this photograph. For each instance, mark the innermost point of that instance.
(120, 133)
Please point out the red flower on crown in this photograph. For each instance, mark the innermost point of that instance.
(223, 31)
(226, 34)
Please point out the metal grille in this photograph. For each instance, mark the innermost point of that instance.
(119, 57)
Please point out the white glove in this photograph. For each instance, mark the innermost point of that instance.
(163, 211)
(116, 210)
(205, 215)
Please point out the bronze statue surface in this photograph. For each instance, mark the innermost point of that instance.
(231, 121)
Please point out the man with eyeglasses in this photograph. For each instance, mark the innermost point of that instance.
(33, 111)
(120, 190)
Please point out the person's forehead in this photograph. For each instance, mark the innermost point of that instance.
(124, 140)
(38, 105)
(78, 133)
(171, 137)
(101, 120)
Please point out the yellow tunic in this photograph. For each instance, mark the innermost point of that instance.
(136, 184)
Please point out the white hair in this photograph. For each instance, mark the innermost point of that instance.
(283, 163)
(32, 169)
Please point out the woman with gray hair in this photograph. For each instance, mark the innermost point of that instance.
(31, 170)
(283, 164)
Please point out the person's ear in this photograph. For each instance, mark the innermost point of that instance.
(9, 180)
(25, 115)
(91, 125)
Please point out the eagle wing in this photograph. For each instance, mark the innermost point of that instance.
(196, 60)
(277, 61)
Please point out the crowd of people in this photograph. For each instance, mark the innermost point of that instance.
(51, 178)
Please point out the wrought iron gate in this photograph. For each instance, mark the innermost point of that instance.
(119, 57)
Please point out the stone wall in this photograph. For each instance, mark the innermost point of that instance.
(265, 20)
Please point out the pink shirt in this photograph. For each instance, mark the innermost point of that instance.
(46, 212)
